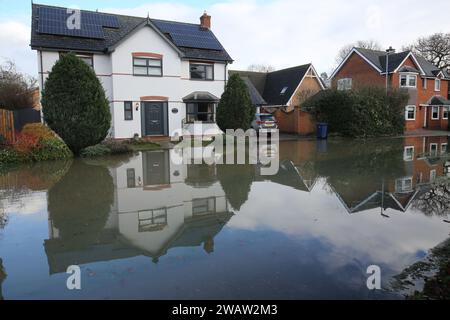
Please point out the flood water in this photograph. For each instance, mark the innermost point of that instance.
(143, 227)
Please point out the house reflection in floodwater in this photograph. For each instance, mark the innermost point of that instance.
(370, 175)
(158, 205)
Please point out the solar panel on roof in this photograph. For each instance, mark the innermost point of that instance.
(54, 21)
(189, 35)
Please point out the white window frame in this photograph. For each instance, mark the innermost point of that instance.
(433, 175)
(408, 76)
(424, 83)
(405, 153)
(407, 112)
(403, 188)
(444, 111)
(444, 147)
(344, 84)
(431, 147)
(437, 84)
(432, 113)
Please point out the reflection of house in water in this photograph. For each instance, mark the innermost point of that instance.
(424, 162)
(158, 205)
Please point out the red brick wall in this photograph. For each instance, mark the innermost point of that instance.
(297, 121)
(361, 72)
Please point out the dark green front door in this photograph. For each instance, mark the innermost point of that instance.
(153, 118)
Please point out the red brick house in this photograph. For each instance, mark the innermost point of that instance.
(282, 93)
(428, 86)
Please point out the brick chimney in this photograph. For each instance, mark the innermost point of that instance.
(205, 21)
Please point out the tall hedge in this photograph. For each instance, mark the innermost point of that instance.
(235, 110)
(366, 112)
(74, 104)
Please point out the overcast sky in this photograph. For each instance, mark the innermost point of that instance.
(281, 33)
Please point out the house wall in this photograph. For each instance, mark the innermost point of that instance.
(421, 95)
(176, 197)
(361, 73)
(115, 72)
(298, 121)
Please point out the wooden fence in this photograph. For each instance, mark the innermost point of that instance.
(7, 125)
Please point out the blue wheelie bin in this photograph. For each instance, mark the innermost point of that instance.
(322, 131)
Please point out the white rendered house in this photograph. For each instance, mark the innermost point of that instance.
(159, 76)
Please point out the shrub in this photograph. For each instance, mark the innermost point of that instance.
(51, 149)
(98, 150)
(36, 143)
(39, 130)
(74, 104)
(10, 156)
(235, 110)
(362, 113)
(116, 147)
(26, 143)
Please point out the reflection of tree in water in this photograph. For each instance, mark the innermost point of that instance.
(236, 181)
(435, 201)
(80, 203)
(19, 181)
(437, 285)
(2, 277)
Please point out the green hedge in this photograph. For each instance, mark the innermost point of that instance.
(367, 112)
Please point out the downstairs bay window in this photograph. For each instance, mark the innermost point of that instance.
(201, 111)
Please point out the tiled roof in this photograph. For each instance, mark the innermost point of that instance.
(288, 79)
(378, 58)
(273, 88)
(128, 24)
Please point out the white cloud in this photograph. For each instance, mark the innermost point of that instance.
(282, 33)
(15, 41)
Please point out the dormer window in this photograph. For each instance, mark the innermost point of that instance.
(283, 91)
(437, 85)
(408, 80)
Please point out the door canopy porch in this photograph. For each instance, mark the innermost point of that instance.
(201, 96)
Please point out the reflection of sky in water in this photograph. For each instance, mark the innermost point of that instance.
(282, 242)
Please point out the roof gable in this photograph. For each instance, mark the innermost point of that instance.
(281, 85)
(377, 59)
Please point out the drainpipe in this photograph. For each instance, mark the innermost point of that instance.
(425, 120)
(42, 84)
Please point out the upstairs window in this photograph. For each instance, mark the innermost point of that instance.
(424, 83)
(148, 67)
(437, 85)
(201, 71)
(445, 113)
(88, 59)
(410, 113)
(408, 154)
(344, 84)
(85, 57)
(408, 80)
(404, 185)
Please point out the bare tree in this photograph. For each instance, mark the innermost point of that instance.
(16, 89)
(434, 48)
(435, 201)
(261, 68)
(365, 44)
